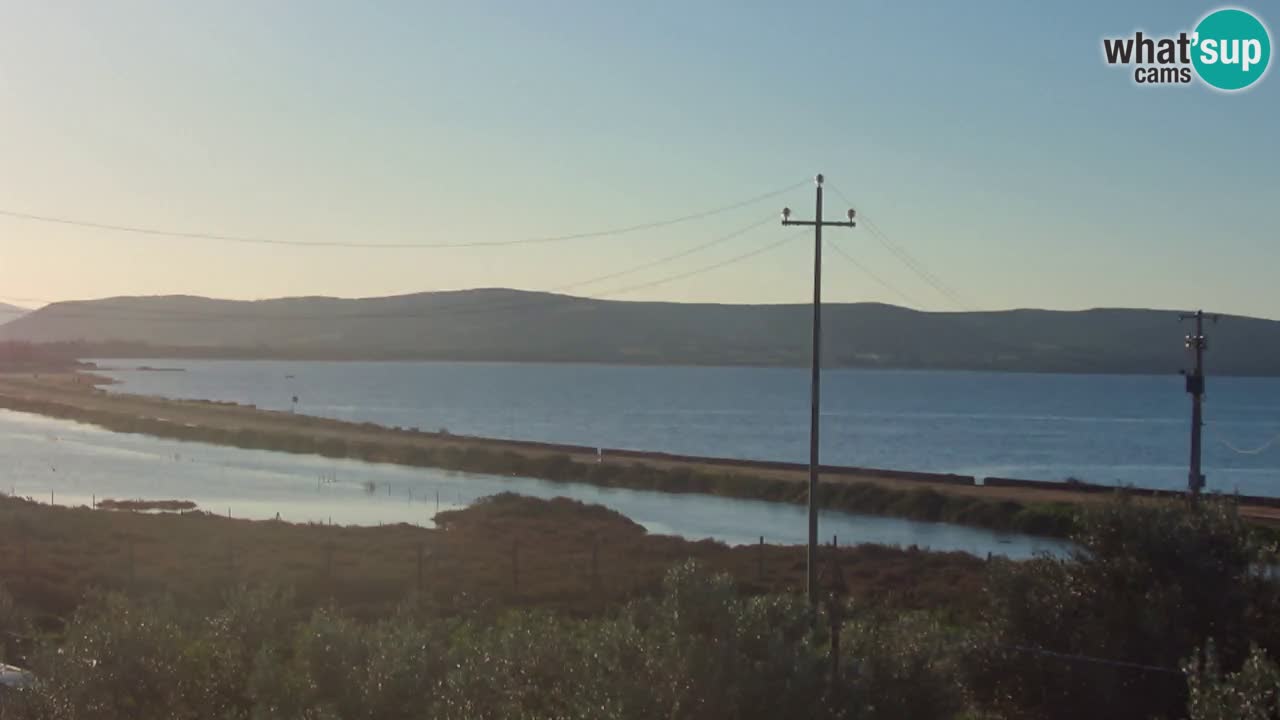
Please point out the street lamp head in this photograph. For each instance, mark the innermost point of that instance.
(786, 213)
(818, 179)
(851, 214)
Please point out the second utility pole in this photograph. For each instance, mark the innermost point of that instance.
(1195, 386)
(811, 557)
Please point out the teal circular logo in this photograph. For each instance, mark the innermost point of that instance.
(1231, 49)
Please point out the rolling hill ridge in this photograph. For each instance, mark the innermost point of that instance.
(511, 325)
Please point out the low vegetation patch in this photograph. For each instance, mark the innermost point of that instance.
(162, 505)
(1163, 612)
(499, 513)
(508, 551)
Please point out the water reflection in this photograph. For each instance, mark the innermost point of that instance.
(73, 464)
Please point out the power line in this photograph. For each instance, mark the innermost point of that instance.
(196, 314)
(917, 267)
(704, 269)
(449, 309)
(560, 288)
(869, 273)
(667, 258)
(1249, 451)
(140, 230)
(908, 259)
(1091, 659)
(1072, 657)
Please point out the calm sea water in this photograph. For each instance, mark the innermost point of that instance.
(1101, 428)
(67, 463)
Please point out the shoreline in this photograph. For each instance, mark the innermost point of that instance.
(175, 353)
(1031, 507)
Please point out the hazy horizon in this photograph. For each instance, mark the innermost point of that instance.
(657, 300)
(995, 147)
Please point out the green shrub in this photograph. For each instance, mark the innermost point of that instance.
(700, 650)
(1251, 693)
(1146, 584)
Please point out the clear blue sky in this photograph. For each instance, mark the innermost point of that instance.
(989, 139)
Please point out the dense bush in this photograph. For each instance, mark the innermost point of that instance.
(1145, 586)
(1251, 693)
(1162, 611)
(13, 625)
(700, 650)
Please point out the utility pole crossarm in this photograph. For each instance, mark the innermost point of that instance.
(817, 223)
(810, 223)
(1200, 313)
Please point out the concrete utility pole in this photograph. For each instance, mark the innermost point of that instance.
(1195, 386)
(811, 558)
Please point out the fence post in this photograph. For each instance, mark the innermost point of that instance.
(328, 566)
(515, 566)
(595, 564)
(419, 570)
(836, 611)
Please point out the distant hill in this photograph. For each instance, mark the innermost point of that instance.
(525, 326)
(11, 312)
